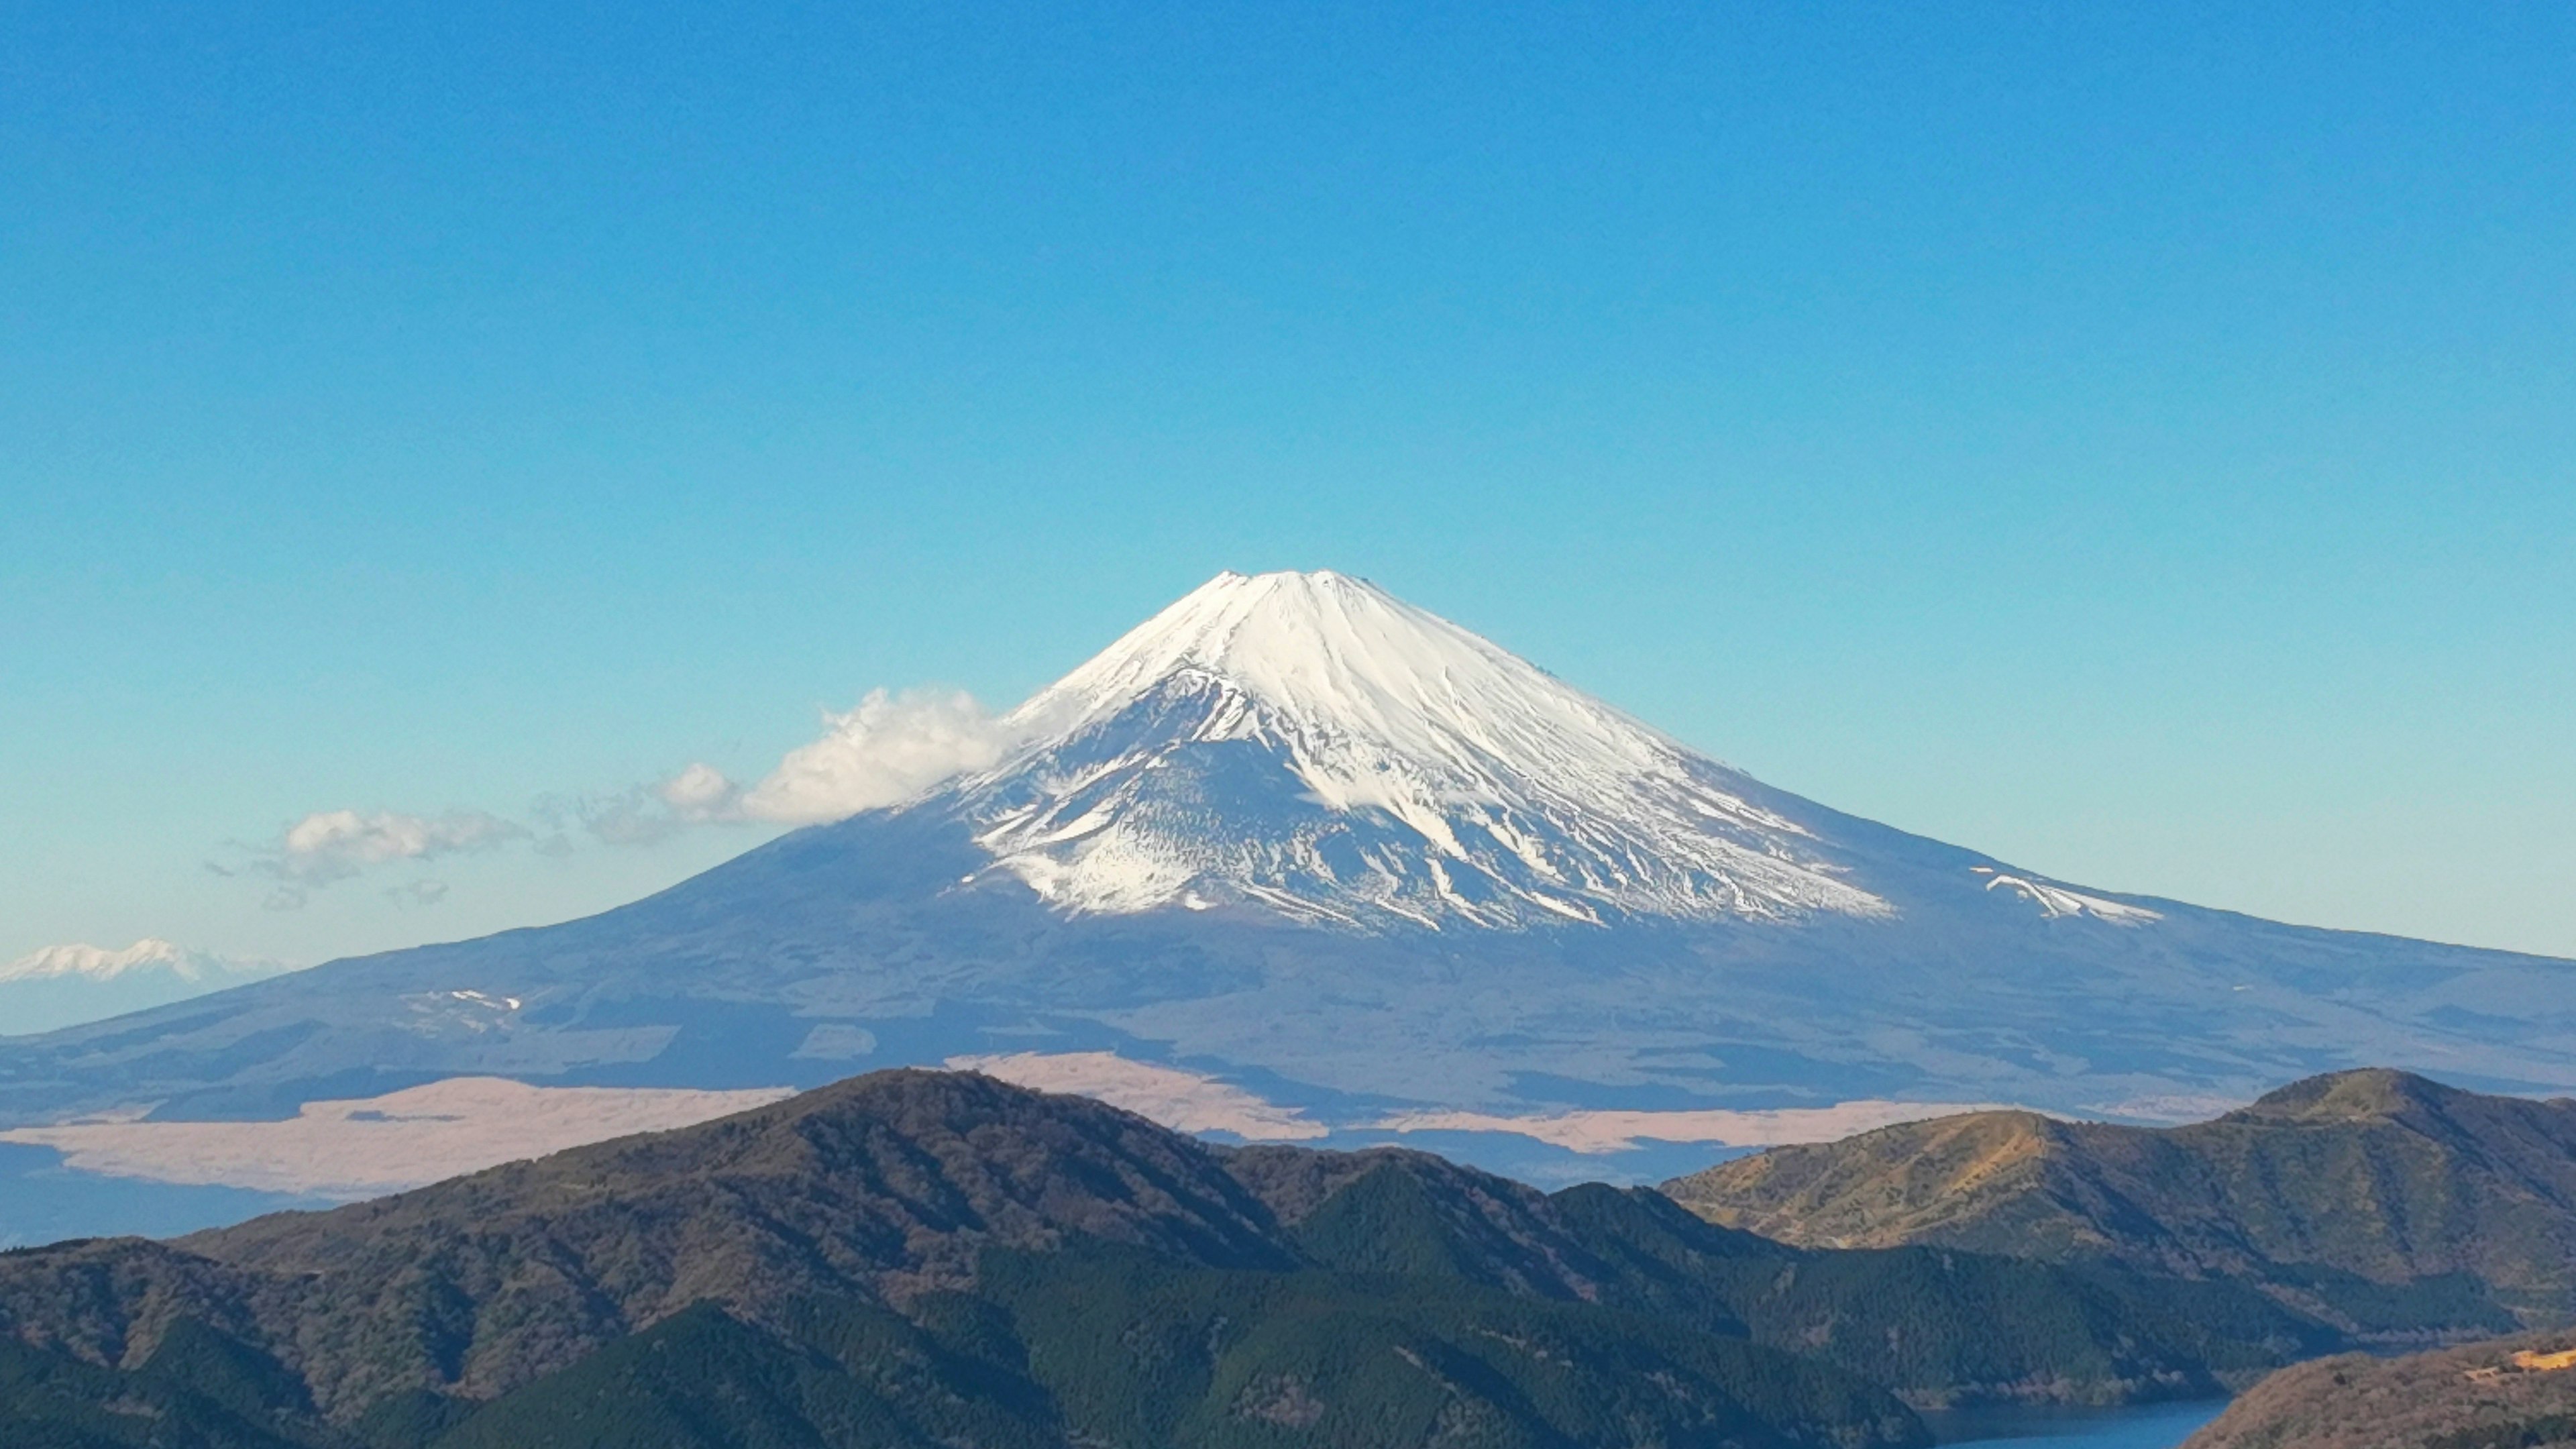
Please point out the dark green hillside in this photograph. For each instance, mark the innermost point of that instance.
(1112, 1347)
(1143, 1353)
(880, 1187)
(2374, 1200)
(940, 1259)
(850, 1374)
(199, 1390)
(1959, 1327)
(1940, 1327)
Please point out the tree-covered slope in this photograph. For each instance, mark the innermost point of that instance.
(881, 1187)
(942, 1258)
(197, 1389)
(1113, 1347)
(2375, 1198)
(1940, 1326)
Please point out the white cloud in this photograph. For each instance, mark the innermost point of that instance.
(330, 845)
(641, 814)
(632, 816)
(698, 793)
(334, 845)
(887, 750)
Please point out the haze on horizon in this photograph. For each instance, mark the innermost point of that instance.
(2138, 450)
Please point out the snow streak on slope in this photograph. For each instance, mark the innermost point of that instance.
(1308, 743)
(2056, 902)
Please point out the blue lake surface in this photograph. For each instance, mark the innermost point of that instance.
(2142, 1426)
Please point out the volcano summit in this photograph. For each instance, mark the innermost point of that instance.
(1309, 745)
(1334, 865)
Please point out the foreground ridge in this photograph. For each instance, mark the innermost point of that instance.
(918, 1257)
(2336, 1189)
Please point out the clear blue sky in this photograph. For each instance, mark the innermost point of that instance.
(2136, 441)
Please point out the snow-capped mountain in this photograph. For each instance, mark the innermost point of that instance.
(1310, 858)
(61, 986)
(1309, 744)
(98, 963)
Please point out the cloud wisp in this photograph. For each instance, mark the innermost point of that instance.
(886, 749)
(329, 846)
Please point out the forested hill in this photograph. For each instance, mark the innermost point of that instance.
(2378, 1196)
(928, 1257)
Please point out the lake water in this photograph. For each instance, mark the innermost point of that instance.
(2141, 1426)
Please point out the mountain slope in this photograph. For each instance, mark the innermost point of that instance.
(1306, 743)
(198, 1389)
(2515, 1393)
(924, 1249)
(1107, 1348)
(1939, 1327)
(2374, 1175)
(1327, 848)
(884, 1187)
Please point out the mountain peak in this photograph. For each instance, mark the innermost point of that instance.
(2376, 1173)
(66, 985)
(1319, 643)
(2363, 1094)
(98, 963)
(1311, 745)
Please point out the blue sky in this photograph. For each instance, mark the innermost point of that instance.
(2139, 445)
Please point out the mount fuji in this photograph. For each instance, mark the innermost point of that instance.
(1295, 858)
(1307, 745)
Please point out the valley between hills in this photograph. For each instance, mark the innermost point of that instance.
(939, 1258)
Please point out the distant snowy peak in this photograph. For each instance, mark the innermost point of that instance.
(145, 957)
(65, 985)
(1310, 744)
